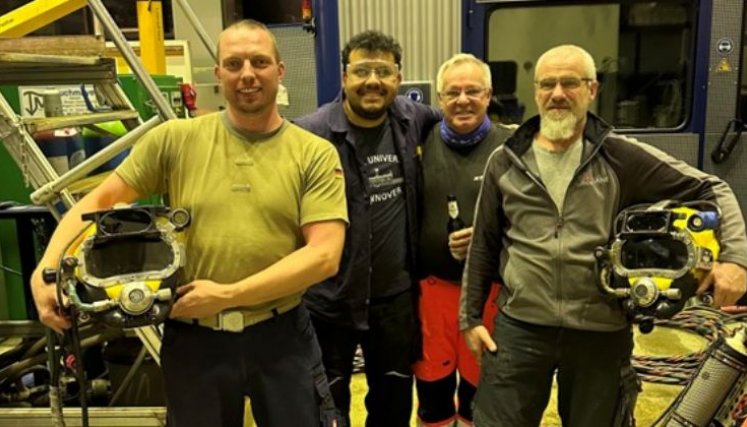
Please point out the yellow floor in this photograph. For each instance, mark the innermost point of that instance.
(651, 403)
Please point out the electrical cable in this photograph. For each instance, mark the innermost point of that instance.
(78, 366)
(55, 398)
(10, 270)
(13, 370)
(35, 348)
(130, 375)
(705, 321)
(679, 370)
(55, 395)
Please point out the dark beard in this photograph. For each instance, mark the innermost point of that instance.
(368, 115)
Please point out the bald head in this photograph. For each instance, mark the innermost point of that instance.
(568, 53)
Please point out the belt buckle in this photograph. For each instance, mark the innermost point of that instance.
(232, 321)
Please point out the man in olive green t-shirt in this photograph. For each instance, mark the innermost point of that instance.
(268, 209)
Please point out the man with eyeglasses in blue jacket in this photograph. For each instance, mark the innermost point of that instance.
(372, 299)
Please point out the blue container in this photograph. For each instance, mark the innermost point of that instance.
(96, 141)
(62, 147)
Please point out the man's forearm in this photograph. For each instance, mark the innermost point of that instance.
(306, 266)
(292, 274)
(71, 224)
(69, 227)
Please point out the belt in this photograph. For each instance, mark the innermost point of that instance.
(237, 320)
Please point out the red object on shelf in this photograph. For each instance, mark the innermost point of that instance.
(189, 98)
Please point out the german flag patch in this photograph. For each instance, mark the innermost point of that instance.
(338, 173)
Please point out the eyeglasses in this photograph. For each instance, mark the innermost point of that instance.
(566, 83)
(383, 70)
(471, 93)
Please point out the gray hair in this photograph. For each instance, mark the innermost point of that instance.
(566, 50)
(462, 58)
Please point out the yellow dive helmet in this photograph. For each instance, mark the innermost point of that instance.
(125, 266)
(658, 255)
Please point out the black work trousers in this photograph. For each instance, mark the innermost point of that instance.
(388, 349)
(596, 383)
(276, 363)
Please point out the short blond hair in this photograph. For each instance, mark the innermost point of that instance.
(250, 24)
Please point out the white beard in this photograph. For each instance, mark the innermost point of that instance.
(557, 128)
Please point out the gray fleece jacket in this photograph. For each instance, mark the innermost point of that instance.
(543, 255)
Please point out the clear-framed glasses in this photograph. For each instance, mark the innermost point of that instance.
(470, 92)
(363, 70)
(566, 83)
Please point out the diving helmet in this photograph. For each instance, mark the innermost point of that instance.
(124, 267)
(657, 257)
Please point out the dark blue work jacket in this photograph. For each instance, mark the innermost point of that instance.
(344, 298)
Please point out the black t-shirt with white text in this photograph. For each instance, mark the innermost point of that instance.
(389, 272)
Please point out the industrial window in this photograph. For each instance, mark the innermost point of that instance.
(268, 12)
(275, 12)
(643, 52)
(124, 14)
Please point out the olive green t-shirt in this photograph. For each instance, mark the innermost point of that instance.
(249, 195)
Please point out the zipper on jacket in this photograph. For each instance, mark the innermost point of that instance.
(518, 162)
(558, 226)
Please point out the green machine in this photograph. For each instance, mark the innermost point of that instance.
(168, 85)
(12, 189)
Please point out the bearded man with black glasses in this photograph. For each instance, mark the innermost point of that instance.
(372, 300)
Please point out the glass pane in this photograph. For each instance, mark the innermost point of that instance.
(124, 222)
(643, 52)
(654, 253)
(124, 14)
(273, 12)
(130, 255)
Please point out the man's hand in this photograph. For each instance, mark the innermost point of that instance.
(201, 298)
(729, 283)
(478, 339)
(459, 243)
(45, 298)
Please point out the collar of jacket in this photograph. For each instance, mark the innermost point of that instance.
(595, 131)
(338, 121)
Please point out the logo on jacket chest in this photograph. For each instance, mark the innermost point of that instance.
(589, 179)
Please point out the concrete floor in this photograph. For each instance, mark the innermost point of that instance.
(654, 399)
